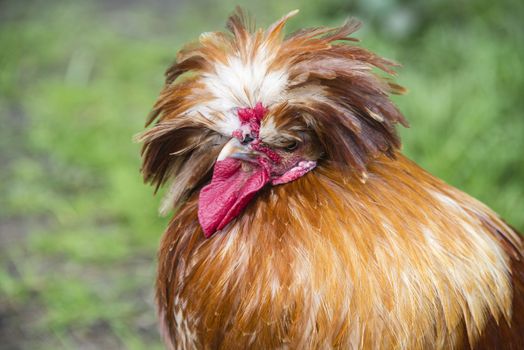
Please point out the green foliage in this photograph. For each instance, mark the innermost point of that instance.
(77, 81)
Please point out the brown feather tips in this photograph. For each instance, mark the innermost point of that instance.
(354, 117)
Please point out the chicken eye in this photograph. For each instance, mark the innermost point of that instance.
(292, 146)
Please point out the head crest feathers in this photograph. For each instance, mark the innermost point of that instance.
(353, 116)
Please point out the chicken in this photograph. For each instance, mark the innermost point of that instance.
(298, 222)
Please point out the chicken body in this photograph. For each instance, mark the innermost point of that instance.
(401, 262)
(299, 223)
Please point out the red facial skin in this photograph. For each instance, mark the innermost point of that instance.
(233, 186)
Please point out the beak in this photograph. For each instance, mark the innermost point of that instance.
(234, 149)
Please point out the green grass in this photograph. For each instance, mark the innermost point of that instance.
(76, 83)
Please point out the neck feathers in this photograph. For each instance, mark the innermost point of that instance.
(387, 264)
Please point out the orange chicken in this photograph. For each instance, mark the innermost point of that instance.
(298, 222)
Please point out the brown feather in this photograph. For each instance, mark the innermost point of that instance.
(280, 277)
(504, 334)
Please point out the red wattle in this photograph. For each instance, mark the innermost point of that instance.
(228, 193)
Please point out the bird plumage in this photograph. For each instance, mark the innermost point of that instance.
(364, 250)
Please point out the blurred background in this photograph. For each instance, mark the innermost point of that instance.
(79, 229)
